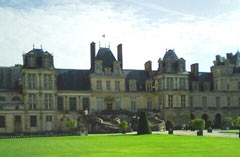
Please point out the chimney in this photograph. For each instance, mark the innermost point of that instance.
(229, 55)
(194, 69)
(119, 53)
(92, 51)
(148, 68)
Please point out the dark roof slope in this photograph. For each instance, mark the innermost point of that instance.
(170, 55)
(140, 75)
(68, 79)
(106, 55)
(10, 77)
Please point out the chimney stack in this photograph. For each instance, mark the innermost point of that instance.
(92, 51)
(119, 53)
(194, 70)
(148, 68)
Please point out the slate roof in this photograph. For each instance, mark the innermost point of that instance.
(106, 55)
(69, 79)
(203, 77)
(140, 75)
(170, 55)
(9, 78)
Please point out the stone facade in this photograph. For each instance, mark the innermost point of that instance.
(38, 97)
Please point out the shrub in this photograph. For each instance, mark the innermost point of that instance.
(237, 122)
(198, 124)
(228, 122)
(209, 124)
(71, 124)
(169, 125)
(143, 124)
(123, 126)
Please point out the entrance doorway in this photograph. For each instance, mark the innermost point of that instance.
(205, 117)
(18, 124)
(49, 123)
(218, 121)
(109, 106)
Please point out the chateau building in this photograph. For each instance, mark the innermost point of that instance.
(37, 97)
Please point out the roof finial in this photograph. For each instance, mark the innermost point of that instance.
(99, 44)
(166, 49)
(109, 45)
(41, 46)
(33, 46)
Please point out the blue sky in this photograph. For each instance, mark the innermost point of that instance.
(197, 30)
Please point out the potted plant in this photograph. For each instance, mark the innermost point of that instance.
(199, 124)
(170, 126)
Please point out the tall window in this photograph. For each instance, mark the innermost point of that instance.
(31, 81)
(170, 101)
(85, 103)
(99, 104)
(117, 85)
(49, 118)
(32, 101)
(108, 85)
(117, 101)
(204, 102)
(133, 104)
(169, 83)
(183, 101)
(149, 103)
(182, 83)
(73, 104)
(2, 122)
(160, 84)
(98, 68)
(60, 103)
(33, 121)
(48, 101)
(218, 102)
(191, 101)
(159, 102)
(149, 86)
(228, 102)
(47, 81)
(99, 85)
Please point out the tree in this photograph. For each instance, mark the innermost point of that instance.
(71, 124)
(209, 124)
(123, 126)
(169, 125)
(228, 122)
(237, 122)
(143, 124)
(198, 124)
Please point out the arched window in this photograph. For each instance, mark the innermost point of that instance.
(2, 98)
(16, 98)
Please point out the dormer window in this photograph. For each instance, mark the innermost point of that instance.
(98, 66)
(132, 85)
(107, 70)
(116, 67)
(149, 85)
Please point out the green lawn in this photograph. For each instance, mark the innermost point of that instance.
(229, 131)
(121, 145)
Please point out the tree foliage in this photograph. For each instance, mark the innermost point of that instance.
(198, 124)
(143, 124)
(71, 123)
(237, 122)
(123, 126)
(228, 122)
(209, 123)
(169, 125)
